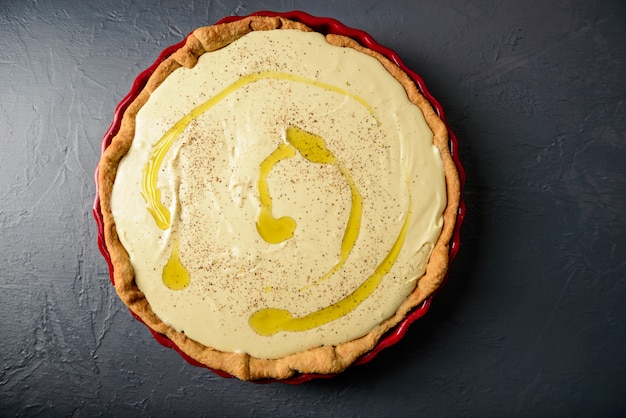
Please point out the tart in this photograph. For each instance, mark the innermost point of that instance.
(277, 199)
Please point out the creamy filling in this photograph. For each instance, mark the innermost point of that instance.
(281, 195)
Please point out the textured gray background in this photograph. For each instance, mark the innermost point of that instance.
(531, 321)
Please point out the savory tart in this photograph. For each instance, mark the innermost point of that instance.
(276, 199)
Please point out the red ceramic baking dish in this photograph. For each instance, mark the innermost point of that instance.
(323, 25)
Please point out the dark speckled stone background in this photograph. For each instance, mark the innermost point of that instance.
(531, 321)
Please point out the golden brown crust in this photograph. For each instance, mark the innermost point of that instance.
(328, 359)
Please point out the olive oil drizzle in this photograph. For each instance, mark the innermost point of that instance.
(150, 191)
(313, 148)
(273, 230)
(175, 276)
(269, 321)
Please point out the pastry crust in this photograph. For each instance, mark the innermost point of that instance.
(323, 360)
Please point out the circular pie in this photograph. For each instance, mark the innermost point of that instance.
(277, 199)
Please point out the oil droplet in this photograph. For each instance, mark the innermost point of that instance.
(175, 275)
(311, 146)
(273, 230)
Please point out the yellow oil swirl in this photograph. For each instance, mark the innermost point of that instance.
(151, 193)
(313, 148)
(175, 275)
(273, 230)
(269, 321)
